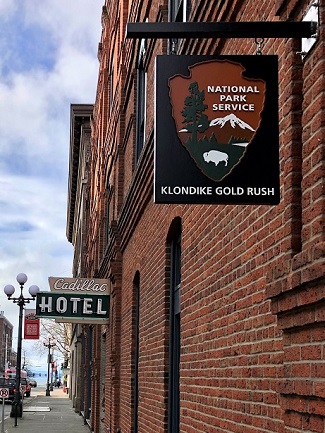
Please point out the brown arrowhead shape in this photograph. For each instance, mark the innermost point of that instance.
(217, 112)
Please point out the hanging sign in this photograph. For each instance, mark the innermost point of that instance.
(217, 134)
(31, 325)
(79, 307)
(93, 286)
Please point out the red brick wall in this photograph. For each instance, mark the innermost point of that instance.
(252, 292)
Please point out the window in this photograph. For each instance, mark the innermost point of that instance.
(135, 349)
(141, 101)
(89, 359)
(179, 10)
(109, 193)
(111, 82)
(103, 363)
(175, 332)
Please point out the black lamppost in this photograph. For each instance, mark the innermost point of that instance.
(17, 406)
(49, 343)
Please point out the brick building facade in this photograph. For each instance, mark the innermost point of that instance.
(217, 311)
(7, 355)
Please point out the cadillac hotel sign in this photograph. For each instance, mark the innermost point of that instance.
(217, 137)
(78, 300)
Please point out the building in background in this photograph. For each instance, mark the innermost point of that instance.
(81, 382)
(7, 355)
(217, 310)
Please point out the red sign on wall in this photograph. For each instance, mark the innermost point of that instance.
(31, 326)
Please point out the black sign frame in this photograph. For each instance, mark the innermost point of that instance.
(255, 180)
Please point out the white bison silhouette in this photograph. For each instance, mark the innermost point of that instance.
(215, 156)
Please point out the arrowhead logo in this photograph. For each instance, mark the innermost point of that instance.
(217, 111)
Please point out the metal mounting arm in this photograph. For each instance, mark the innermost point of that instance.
(252, 29)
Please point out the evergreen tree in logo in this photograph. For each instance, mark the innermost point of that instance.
(195, 119)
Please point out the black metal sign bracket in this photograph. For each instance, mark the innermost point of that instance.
(252, 29)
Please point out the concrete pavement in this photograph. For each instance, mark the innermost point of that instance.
(43, 414)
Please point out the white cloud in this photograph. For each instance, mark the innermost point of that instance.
(48, 60)
(70, 23)
(7, 7)
(32, 232)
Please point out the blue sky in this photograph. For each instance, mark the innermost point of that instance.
(33, 43)
(48, 60)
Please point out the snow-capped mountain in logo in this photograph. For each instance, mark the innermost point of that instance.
(233, 120)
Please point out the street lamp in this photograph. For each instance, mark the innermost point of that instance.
(17, 407)
(49, 343)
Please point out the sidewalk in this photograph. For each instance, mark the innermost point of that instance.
(43, 414)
